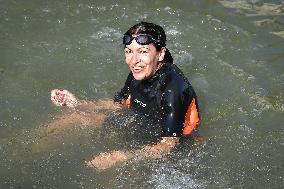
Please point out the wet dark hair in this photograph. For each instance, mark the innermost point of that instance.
(156, 31)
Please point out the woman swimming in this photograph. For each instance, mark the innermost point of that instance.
(154, 87)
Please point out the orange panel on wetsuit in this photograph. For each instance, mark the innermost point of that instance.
(127, 101)
(191, 118)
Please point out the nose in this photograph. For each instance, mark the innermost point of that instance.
(135, 58)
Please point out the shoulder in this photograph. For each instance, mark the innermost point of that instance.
(130, 76)
(129, 79)
(174, 78)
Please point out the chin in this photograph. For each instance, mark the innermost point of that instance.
(138, 77)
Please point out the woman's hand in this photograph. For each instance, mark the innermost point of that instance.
(62, 97)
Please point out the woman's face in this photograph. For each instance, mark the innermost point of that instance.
(143, 60)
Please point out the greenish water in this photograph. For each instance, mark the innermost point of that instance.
(231, 51)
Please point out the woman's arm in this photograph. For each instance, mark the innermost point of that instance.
(157, 150)
(64, 98)
(107, 160)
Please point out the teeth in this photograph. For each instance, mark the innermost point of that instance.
(137, 68)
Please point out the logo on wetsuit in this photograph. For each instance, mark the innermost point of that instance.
(140, 103)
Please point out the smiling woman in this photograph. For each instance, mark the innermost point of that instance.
(155, 87)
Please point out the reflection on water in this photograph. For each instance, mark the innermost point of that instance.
(231, 51)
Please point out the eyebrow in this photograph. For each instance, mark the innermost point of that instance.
(146, 48)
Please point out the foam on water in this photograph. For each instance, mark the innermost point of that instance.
(107, 33)
(255, 8)
(166, 176)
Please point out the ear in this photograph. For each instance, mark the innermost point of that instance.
(162, 54)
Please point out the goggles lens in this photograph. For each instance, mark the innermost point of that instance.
(140, 39)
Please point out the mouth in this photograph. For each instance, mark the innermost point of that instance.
(137, 69)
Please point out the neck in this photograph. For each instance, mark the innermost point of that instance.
(159, 66)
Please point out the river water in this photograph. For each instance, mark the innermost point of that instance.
(231, 51)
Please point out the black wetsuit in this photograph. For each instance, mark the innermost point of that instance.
(165, 98)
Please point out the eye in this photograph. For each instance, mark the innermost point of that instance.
(143, 51)
(127, 51)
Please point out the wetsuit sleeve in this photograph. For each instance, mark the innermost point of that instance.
(175, 101)
(123, 94)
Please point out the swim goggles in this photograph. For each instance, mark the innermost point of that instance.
(143, 39)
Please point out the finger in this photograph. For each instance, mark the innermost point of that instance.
(53, 92)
